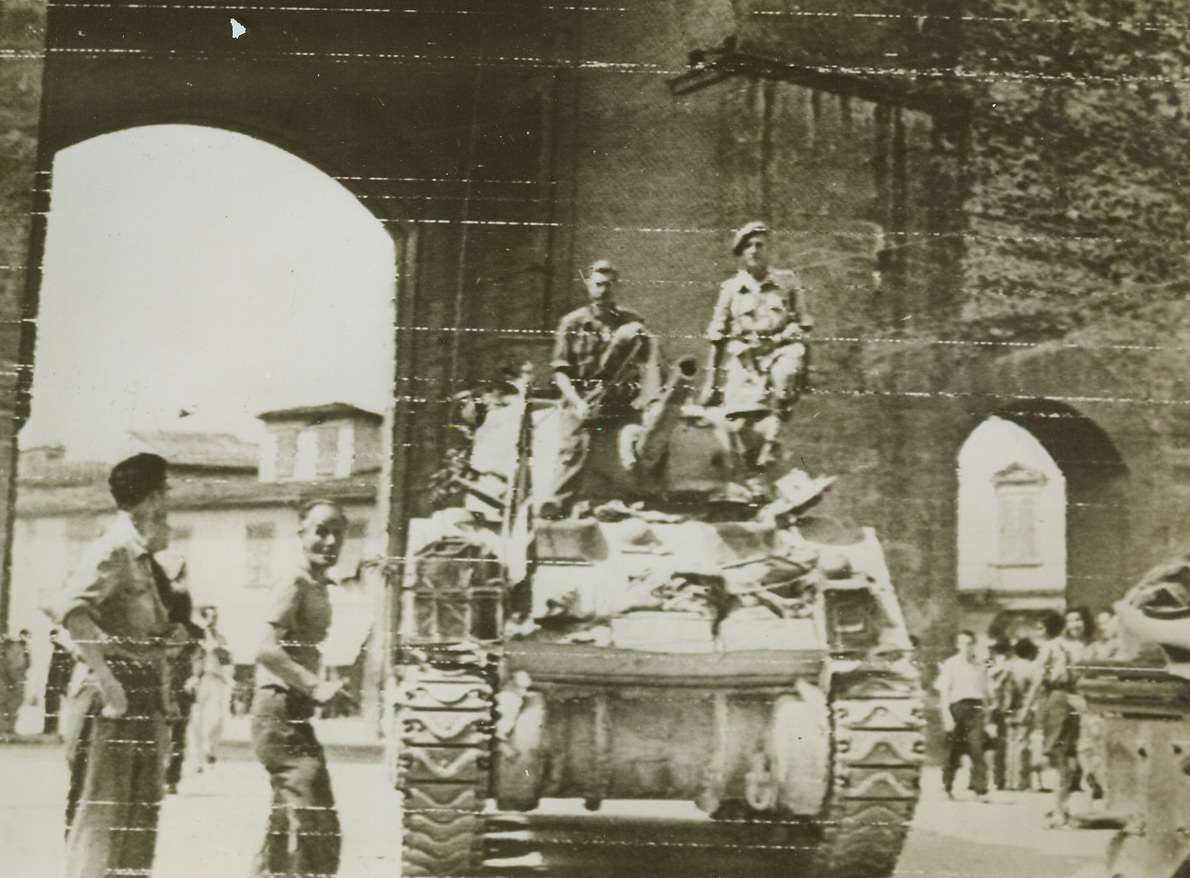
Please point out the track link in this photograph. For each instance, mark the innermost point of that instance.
(876, 774)
(445, 721)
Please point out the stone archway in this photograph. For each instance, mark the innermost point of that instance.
(1062, 479)
(197, 260)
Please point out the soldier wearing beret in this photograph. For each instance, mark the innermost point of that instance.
(600, 351)
(758, 336)
(116, 740)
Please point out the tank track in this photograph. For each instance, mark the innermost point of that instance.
(876, 772)
(444, 722)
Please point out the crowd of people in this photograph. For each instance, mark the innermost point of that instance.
(1014, 714)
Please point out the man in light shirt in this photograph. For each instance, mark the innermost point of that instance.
(963, 691)
(117, 738)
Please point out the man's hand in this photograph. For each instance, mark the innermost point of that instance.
(711, 396)
(326, 690)
(947, 720)
(569, 393)
(115, 702)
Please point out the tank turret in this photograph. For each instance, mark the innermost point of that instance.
(646, 445)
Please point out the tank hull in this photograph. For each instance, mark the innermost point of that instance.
(1145, 712)
(664, 642)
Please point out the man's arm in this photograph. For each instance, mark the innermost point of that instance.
(800, 322)
(1044, 662)
(98, 576)
(563, 364)
(271, 655)
(717, 333)
(712, 393)
(273, 658)
(943, 685)
(571, 394)
(87, 640)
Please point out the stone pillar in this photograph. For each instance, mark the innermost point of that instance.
(22, 236)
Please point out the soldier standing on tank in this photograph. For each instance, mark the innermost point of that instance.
(600, 353)
(758, 336)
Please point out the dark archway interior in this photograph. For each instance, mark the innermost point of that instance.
(1080, 447)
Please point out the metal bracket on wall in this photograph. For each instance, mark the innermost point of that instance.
(935, 96)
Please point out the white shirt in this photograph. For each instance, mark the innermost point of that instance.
(961, 680)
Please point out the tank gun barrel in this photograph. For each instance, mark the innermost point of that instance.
(478, 493)
(650, 444)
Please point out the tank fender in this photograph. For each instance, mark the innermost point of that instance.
(520, 727)
(799, 750)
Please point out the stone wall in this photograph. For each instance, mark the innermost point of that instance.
(22, 224)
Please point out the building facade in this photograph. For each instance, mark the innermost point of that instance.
(234, 523)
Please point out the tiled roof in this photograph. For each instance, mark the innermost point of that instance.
(317, 414)
(194, 491)
(201, 450)
(33, 469)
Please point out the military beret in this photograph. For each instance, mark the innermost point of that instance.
(134, 479)
(746, 232)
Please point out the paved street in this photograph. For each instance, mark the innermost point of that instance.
(211, 828)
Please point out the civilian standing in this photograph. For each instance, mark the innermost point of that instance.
(963, 689)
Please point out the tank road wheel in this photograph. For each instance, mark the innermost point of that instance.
(876, 771)
(444, 719)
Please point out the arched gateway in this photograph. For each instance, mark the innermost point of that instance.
(504, 145)
(1042, 520)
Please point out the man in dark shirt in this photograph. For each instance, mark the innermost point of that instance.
(599, 353)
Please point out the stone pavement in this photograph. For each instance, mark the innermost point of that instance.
(212, 827)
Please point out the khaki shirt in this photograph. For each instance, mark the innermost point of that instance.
(749, 311)
(583, 338)
(114, 585)
(300, 611)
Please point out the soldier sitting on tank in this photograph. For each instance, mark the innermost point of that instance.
(758, 337)
(600, 353)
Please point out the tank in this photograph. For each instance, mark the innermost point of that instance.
(675, 639)
(1142, 700)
